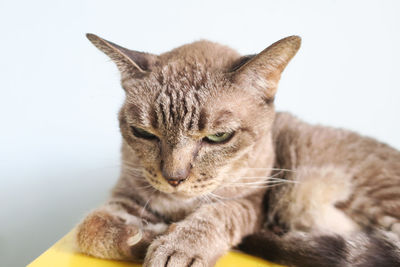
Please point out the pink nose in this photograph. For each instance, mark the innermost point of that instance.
(175, 182)
(175, 177)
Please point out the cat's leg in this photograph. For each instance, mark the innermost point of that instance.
(206, 234)
(121, 229)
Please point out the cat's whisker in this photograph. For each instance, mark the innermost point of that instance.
(256, 177)
(135, 169)
(264, 182)
(254, 183)
(273, 169)
(131, 166)
(276, 174)
(205, 199)
(146, 204)
(281, 179)
(139, 170)
(255, 186)
(209, 198)
(200, 199)
(265, 179)
(269, 180)
(133, 175)
(216, 198)
(124, 162)
(215, 195)
(261, 183)
(144, 187)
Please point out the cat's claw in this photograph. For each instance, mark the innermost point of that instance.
(133, 240)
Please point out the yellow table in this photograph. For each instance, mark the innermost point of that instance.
(63, 254)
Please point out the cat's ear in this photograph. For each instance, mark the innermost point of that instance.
(127, 61)
(263, 71)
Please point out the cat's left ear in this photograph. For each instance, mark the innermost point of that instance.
(129, 62)
(264, 70)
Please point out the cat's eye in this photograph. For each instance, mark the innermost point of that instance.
(218, 137)
(141, 133)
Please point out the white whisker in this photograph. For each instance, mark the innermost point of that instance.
(145, 206)
(265, 181)
(256, 186)
(273, 169)
(144, 187)
(216, 198)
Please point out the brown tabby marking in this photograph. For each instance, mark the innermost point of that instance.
(303, 195)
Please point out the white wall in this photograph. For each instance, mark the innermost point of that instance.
(59, 96)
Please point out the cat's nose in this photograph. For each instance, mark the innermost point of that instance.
(175, 177)
(175, 182)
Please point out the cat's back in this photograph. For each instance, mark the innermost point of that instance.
(305, 143)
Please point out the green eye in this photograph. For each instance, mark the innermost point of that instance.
(218, 137)
(141, 133)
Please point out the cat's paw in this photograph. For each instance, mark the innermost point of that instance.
(163, 252)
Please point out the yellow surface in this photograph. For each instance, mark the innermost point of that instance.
(63, 254)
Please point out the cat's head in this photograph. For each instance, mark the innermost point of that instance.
(197, 117)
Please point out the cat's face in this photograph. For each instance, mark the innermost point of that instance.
(196, 117)
(192, 140)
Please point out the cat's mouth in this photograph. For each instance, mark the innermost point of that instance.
(182, 191)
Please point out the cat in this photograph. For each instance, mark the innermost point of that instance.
(208, 165)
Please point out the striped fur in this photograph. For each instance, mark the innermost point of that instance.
(301, 195)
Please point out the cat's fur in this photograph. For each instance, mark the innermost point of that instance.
(298, 194)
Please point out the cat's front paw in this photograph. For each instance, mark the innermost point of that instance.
(165, 252)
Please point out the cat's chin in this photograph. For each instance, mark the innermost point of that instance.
(181, 195)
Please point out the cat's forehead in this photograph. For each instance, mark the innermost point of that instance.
(193, 67)
(178, 101)
(179, 94)
(183, 99)
(185, 76)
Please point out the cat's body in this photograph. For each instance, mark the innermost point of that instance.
(207, 162)
(344, 207)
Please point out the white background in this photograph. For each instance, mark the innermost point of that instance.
(59, 96)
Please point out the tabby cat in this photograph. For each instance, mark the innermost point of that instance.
(208, 165)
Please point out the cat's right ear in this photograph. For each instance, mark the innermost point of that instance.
(129, 62)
